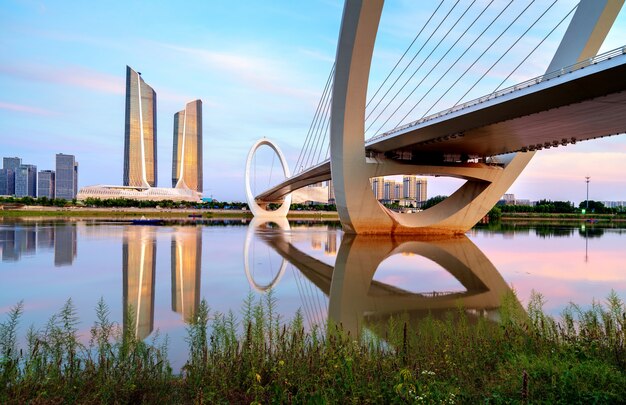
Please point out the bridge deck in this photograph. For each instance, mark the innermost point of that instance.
(577, 105)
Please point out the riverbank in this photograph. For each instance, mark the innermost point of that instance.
(190, 213)
(525, 357)
(152, 213)
(562, 217)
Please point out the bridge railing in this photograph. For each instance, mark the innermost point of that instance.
(531, 82)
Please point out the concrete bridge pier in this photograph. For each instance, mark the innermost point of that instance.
(359, 211)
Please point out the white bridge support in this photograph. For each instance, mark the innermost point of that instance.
(358, 210)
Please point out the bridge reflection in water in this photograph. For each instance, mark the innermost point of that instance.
(352, 296)
(355, 299)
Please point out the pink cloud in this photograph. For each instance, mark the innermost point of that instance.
(71, 75)
(25, 109)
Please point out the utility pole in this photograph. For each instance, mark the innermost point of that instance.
(587, 181)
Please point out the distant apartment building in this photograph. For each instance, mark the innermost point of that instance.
(415, 189)
(187, 151)
(378, 187)
(140, 142)
(26, 181)
(614, 204)
(331, 192)
(390, 189)
(66, 183)
(508, 199)
(398, 191)
(45, 184)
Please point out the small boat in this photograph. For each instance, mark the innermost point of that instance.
(195, 215)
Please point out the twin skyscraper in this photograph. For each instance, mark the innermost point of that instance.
(140, 149)
(140, 141)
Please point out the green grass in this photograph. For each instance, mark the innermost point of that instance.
(527, 357)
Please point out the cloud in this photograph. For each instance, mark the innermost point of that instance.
(71, 75)
(26, 109)
(261, 73)
(313, 54)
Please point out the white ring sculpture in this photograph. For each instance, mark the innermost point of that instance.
(255, 224)
(255, 208)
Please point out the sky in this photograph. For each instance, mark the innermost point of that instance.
(259, 68)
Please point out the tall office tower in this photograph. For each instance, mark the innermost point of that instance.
(45, 184)
(11, 163)
(186, 264)
(7, 175)
(26, 181)
(138, 267)
(7, 182)
(66, 176)
(140, 141)
(187, 156)
(378, 187)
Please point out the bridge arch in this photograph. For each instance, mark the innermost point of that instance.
(256, 209)
(358, 210)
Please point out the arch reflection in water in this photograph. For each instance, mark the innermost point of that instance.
(355, 298)
(186, 265)
(138, 267)
(260, 225)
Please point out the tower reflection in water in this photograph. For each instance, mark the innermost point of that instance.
(186, 264)
(25, 239)
(139, 266)
(355, 298)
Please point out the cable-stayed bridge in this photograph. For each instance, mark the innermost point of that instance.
(487, 141)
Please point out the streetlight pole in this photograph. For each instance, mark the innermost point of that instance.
(587, 181)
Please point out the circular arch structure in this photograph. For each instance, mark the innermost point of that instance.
(254, 225)
(255, 208)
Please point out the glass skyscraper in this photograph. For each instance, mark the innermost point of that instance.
(7, 182)
(26, 181)
(140, 143)
(11, 163)
(45, 184)
(187, 156)
(7, 175)
(66, 176)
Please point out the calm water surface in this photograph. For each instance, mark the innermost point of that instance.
(164, 271)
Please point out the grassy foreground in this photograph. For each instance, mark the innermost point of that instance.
(525, 358)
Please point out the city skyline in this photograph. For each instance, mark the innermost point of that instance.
(259, 74)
